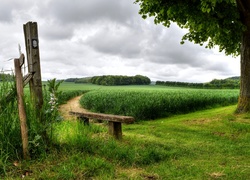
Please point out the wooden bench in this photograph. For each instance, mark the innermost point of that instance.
(115, 121)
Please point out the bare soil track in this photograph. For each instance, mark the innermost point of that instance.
(71, 105)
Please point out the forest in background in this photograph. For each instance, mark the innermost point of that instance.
(228, 83)
(113, 80)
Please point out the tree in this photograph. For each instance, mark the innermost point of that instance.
(114, 80)
(225, 23)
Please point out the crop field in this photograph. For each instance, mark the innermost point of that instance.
(151, 102)
(147, 102)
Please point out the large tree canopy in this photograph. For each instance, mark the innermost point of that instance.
(225, 23)
(214, 22)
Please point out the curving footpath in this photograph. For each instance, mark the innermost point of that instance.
(71, 105)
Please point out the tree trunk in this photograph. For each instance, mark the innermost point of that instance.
(244, 98)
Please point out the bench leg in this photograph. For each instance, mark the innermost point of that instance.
(99, 121)
(115, 129)
(84, 120)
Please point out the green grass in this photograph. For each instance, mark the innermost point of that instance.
(69, 86)
(210, 144)
(216, 143)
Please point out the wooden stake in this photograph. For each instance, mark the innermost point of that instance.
(21, 109)
(33, 58)
(115, 129)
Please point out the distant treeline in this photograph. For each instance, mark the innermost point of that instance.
(229, 83)
(79, 80)
(112, 80)
(6, 77)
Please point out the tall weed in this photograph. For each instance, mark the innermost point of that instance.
(9, 123)
(10, 135)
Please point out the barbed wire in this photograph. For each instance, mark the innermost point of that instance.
(24, 67)
(3, 71)
(7, 70)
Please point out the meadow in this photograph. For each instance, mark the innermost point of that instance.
(204, 144)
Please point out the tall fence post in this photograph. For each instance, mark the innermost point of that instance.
(33, 58)
(21, 110)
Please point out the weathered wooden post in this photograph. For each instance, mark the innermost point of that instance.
(21, 110)
(33, 58)
(115, 129)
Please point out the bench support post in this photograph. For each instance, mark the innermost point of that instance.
(115, 129)
(84, 120)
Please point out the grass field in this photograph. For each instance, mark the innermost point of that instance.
(210, 144)
(207, 144)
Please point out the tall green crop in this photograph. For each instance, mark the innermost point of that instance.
(151, 104)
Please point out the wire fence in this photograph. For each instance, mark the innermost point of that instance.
(4, 70)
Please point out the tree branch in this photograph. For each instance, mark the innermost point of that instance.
(241, 6)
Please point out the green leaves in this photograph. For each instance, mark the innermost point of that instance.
(213, 22)
(53, 85)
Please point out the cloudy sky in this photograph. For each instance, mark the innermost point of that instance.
(81, 38)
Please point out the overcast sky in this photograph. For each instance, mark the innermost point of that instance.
(81, 38)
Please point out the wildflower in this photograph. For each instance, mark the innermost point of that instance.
(53, 102)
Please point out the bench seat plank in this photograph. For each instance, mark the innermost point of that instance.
(107, 117)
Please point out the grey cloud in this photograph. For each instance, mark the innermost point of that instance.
(88, 11)
(129, 41)
(52, 31)
(176, 55)
(218, 67)
(64, 17)
(10, 8)
(121, 41)
(5, 11)
(167, 50)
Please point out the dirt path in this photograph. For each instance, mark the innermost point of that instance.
(71, 105)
